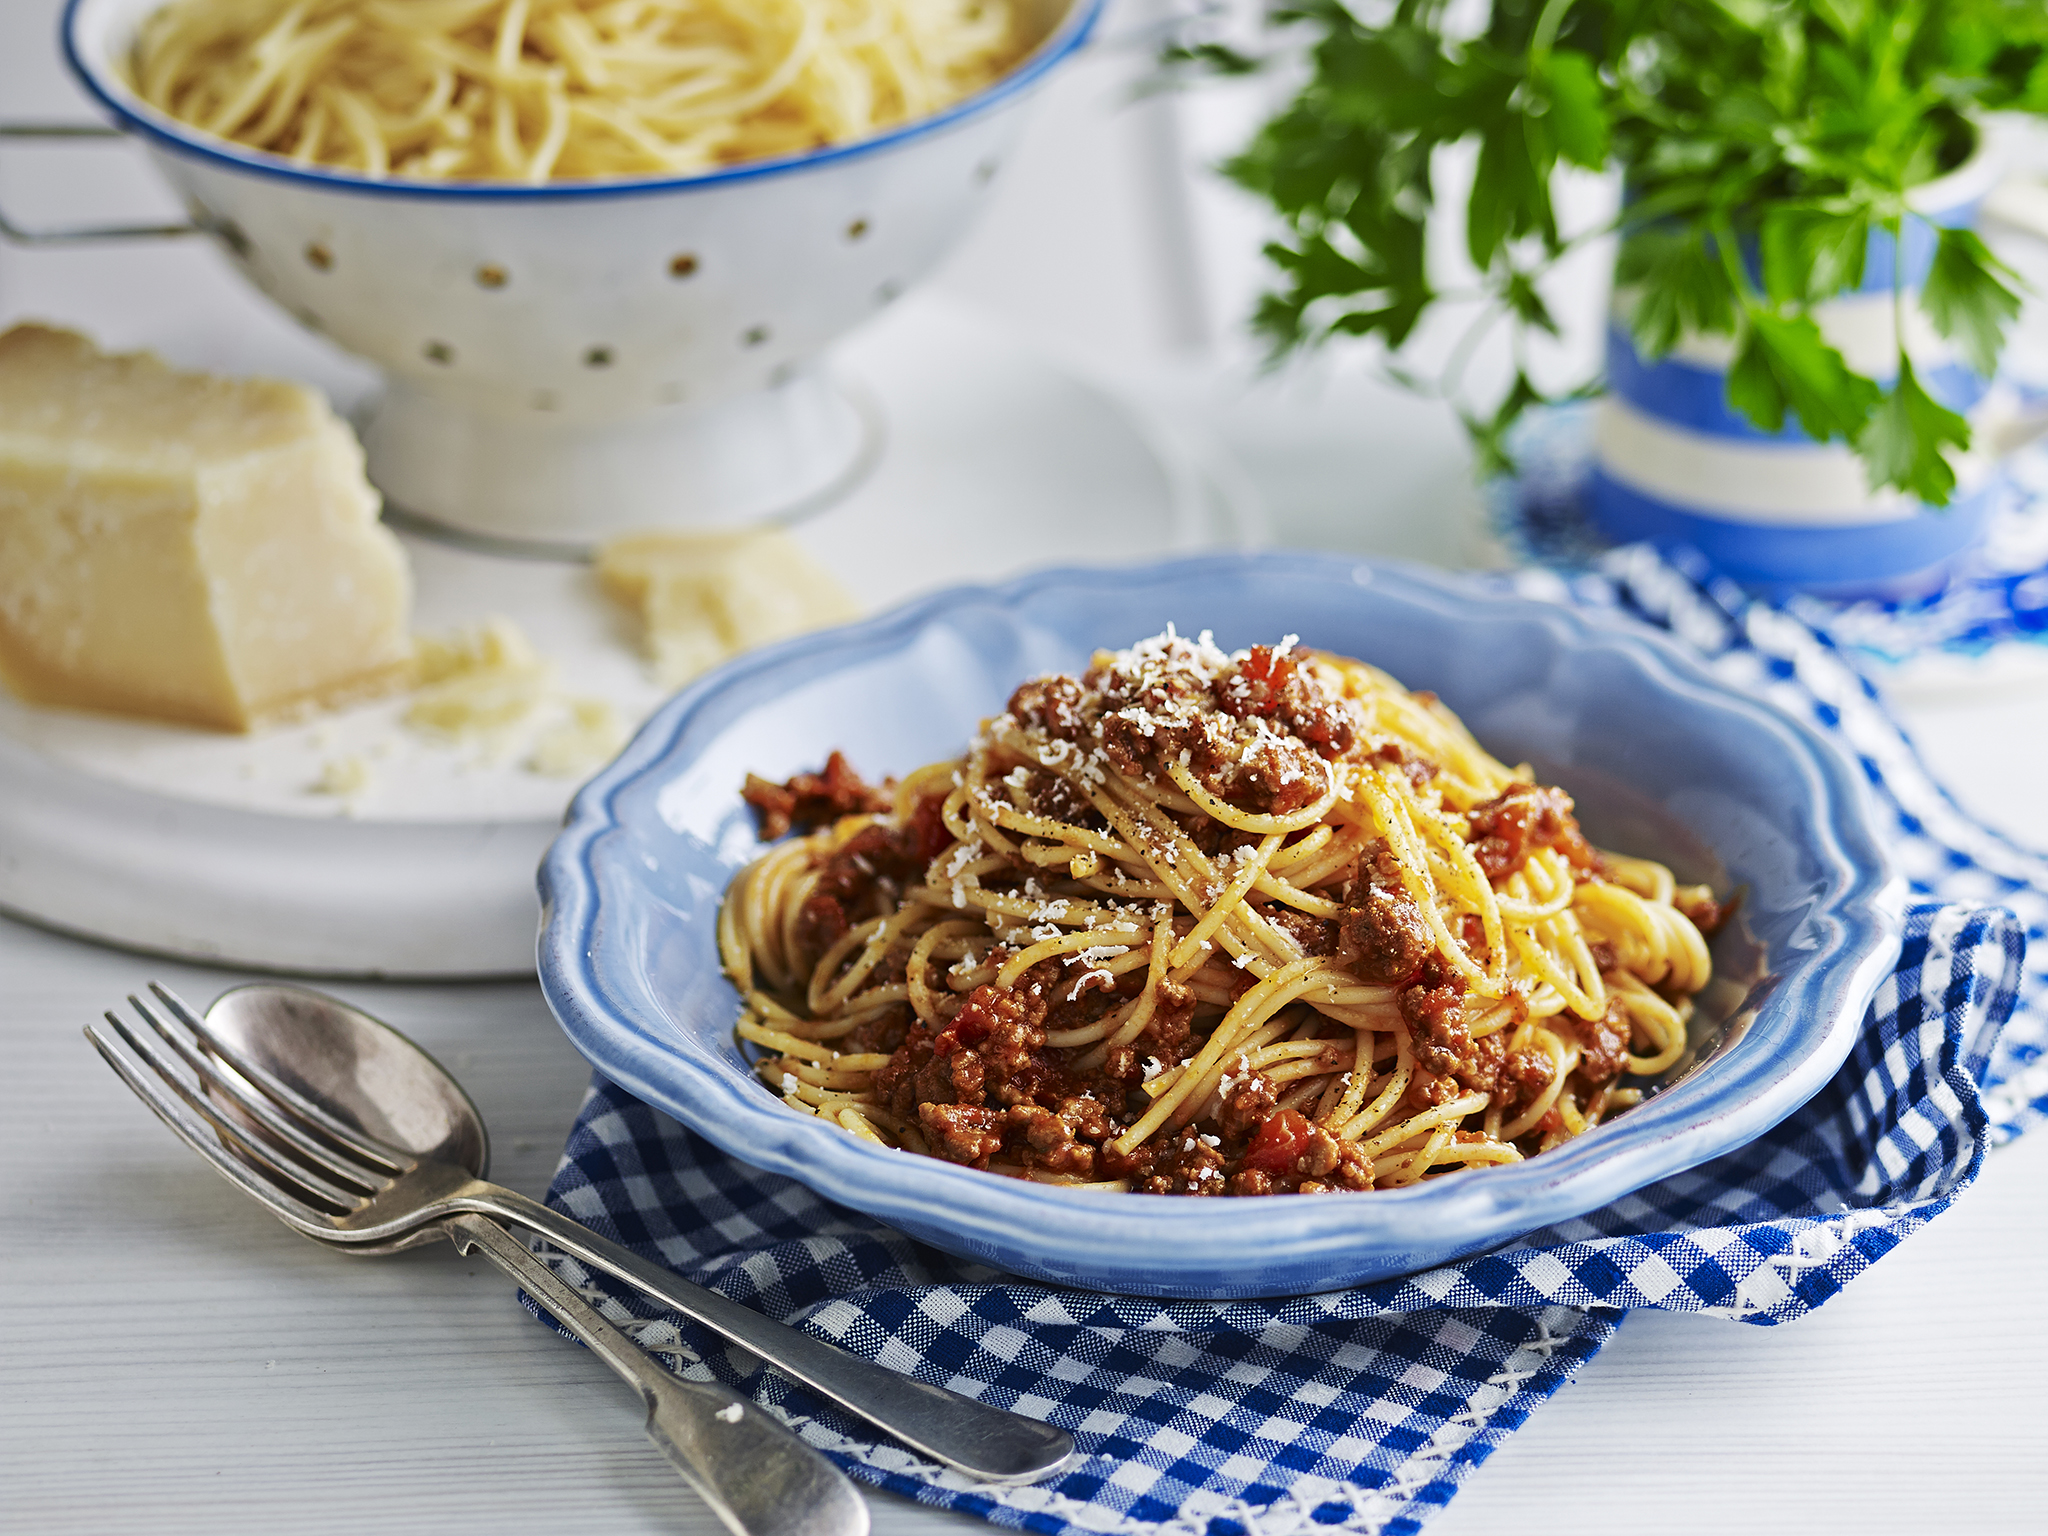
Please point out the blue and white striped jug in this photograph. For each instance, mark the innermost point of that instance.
(1677, 465)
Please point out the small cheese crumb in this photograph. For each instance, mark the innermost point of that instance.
(485, 684)
(342, 777)
(732, 1413)
(477, 681)
(572, 747)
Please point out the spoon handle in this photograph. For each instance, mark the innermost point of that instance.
(757, 1476)
(983, 1441)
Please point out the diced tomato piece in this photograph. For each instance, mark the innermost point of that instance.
(1260, 678)
(1265, 665)
(970, 1026)
(1281, 1137)
(928, 828)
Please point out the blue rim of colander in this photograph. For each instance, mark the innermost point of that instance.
(1074, 29)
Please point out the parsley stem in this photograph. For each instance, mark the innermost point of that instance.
(1722, 233)
(1453, 375)
(1545, 35)
(1897, 226)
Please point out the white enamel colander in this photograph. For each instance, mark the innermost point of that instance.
(573, 360)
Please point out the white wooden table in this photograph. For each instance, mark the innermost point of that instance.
(173, 1362)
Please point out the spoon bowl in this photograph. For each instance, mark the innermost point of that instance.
(363, 1072)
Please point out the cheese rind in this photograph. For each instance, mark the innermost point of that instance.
(186, 547)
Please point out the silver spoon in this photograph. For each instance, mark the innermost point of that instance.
(352, 1134)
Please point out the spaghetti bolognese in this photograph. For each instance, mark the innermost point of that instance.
(1207, 923)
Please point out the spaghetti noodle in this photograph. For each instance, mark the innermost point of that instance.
(1197, 923)
(552, 90)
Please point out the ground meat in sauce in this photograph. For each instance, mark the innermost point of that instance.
(812, 800)
(880, 1034)
(1448, 1061)
(1166, 1038)
(988, 1087)
(1315, 935)
(1256, 733)
(1052, 705)
(1706, 913)
(1384, 935)
(1603, 1044)
(1038, 793)
(866, 876)
(1416, 768)
(1525, 816)
(1523, 1076)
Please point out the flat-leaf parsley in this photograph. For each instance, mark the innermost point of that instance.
(1763, 143)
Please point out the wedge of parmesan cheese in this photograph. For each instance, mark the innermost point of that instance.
(701, 597)
(186, 547)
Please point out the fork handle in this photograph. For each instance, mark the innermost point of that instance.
(757, 1476)
(983, 1441)
(976, 1438)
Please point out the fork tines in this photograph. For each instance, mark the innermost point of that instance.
(262, 1136)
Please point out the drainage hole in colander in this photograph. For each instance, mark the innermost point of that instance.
(783, 373)
(684, 265)
(491, 276)
(889, 292)
(438, 352)
(598, 357)
(319, 258)
(754, 335)
(669, 394)
(985, 173)
(544, 400)
(856, 229)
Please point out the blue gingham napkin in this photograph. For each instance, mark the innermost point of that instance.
(1363, 1410)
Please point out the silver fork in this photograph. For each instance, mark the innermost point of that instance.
(757, 1476)
(332, 1180)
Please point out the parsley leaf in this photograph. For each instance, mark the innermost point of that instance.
(1967, 300)
(1578, 114)
(1810, 254)
(1783, 363)
(1903, 445)
(1678, 285)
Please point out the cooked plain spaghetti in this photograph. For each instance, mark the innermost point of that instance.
(1205, 924)
(552, 90)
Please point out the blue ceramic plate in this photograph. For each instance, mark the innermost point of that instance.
(1663, 760)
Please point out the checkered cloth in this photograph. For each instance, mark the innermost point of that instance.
(1363, 1410)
